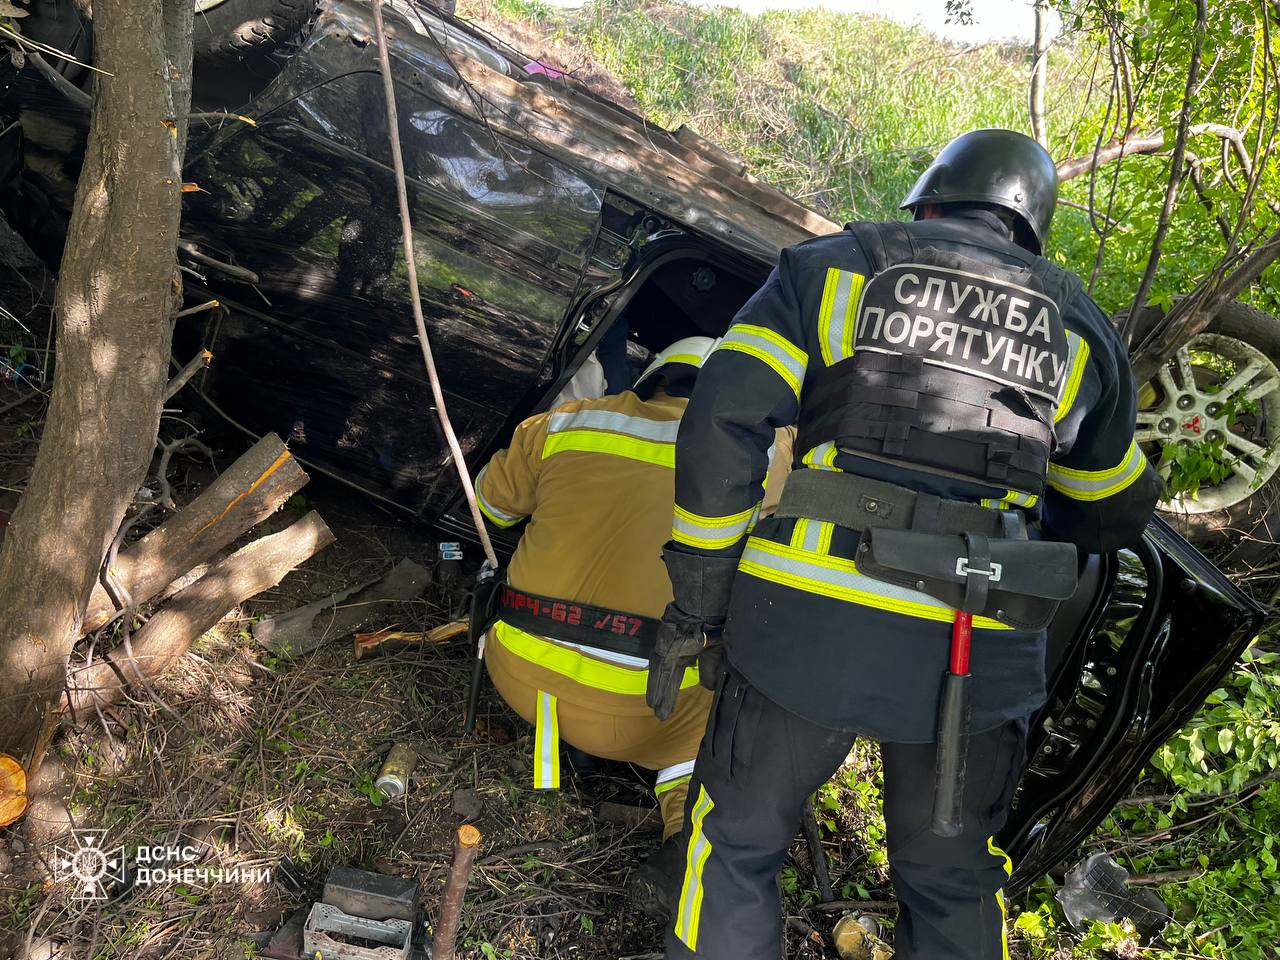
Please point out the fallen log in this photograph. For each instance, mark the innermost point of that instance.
(247, 492)
(300, 631)
(168, 635)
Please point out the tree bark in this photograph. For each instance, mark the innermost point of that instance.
(244, 494)
(1194, 312)
(1175, 174)
(1039, 75)
(197, 608)
(116, 294)
(1154, 142)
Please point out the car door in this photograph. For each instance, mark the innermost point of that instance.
(1150, 633)
(321, 346)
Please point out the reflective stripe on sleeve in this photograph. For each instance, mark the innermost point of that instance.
(663, 431)
(1004, 910)
(546, 745)
(836, 315)
(673, 776)
(1077, 357)
(785, 359)
(605, 431)
(1098, 484)
(839, 579)
(577, 665)
(711, 533)
(1012, 498)
(488, 509)
(689, 911)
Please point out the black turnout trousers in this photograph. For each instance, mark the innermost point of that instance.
(758, 763)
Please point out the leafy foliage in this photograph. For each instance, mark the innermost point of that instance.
(1151, 42)
(1216, 822)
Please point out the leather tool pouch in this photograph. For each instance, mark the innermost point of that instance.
(1017, 582)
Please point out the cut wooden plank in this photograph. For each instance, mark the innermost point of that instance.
(197, 608)
(389, 641)
(247, 492)
(300, 631)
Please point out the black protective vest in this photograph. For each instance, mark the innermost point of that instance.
(960, 356)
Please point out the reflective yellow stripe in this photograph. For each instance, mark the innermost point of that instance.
(495, 515)
(825, 529)
(1077, 357)
(813, 536)
(822, 457)
(1004, 911)
(690, 358)
(592, 441)
(839, 579)
(660, 788)
(689, 911)
(840, 295)
(1098, 484)
(1012, 498)
(546, 744)
(711, 533)
(772, 349)
(577, 666)
(673, 776)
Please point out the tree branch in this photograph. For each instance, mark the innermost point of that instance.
(1197, 181)
(1147, 143)
(197, 363)
(1175, 170)
(1192, 314)
(1039, 76)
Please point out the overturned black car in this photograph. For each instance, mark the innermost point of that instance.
(546, 217)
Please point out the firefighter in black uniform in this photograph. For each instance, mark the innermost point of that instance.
(966, 412)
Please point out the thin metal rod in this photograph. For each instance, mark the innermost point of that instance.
(406, 226)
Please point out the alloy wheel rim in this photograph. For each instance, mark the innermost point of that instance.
(1188, 402)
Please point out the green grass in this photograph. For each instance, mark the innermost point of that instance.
(840, 111)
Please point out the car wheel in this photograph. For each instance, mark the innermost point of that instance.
(233, 29)
(1189, 401)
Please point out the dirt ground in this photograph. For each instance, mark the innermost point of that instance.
(258, 764)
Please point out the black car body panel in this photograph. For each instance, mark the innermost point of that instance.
(543, 217)
(1148, 637)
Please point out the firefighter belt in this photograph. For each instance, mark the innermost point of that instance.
(970, 557)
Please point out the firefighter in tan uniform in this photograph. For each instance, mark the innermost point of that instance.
(587, 585)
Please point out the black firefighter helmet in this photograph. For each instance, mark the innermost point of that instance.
(1001, 167)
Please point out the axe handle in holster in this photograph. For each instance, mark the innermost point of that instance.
(953, 734)
(482, 616)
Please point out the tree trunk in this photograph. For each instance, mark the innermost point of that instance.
(117, 291)
(1039, 74)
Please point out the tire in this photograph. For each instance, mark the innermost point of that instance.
(235, 29)
(1236, 522)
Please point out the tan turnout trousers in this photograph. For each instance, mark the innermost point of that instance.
(596, 480)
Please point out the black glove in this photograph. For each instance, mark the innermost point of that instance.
(691, 625)
(680, 641)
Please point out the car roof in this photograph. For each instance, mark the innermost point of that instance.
(676, 173)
